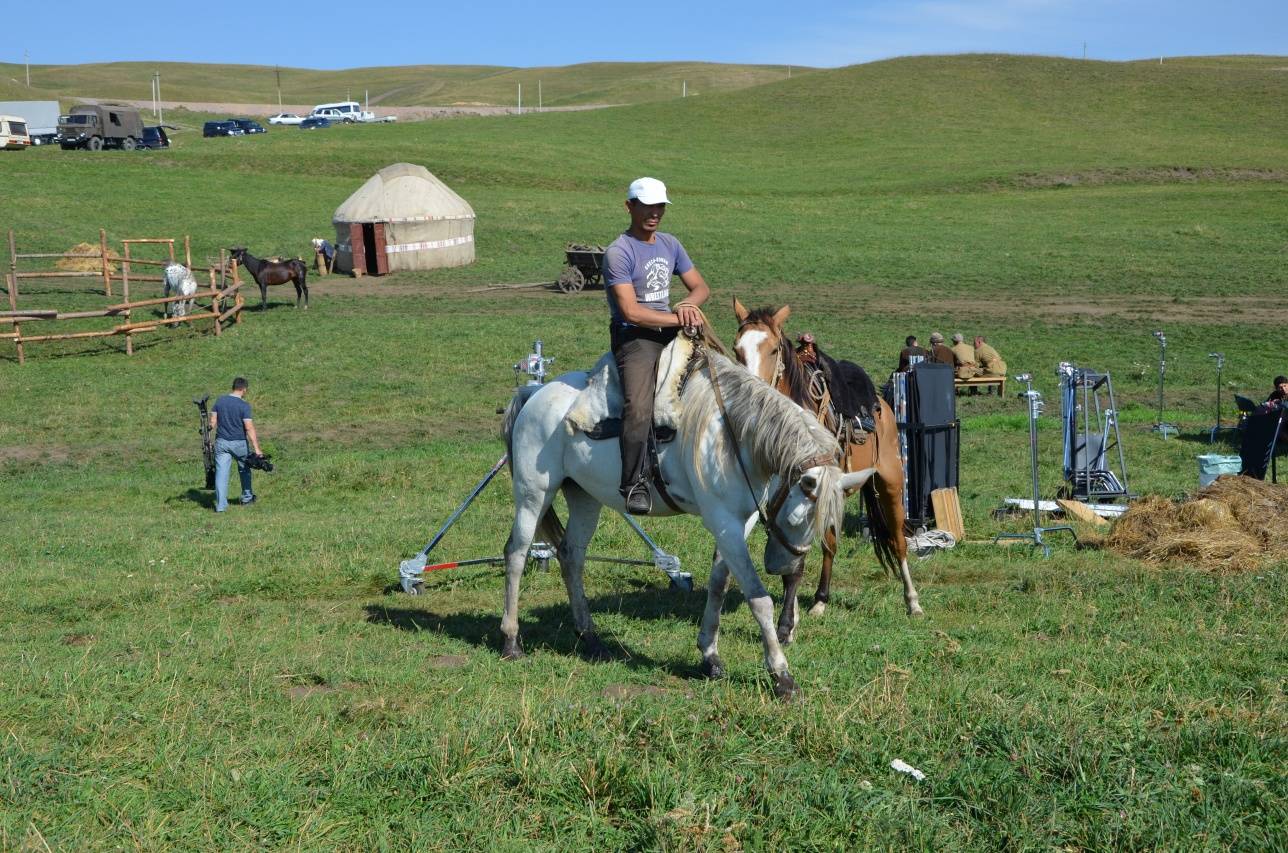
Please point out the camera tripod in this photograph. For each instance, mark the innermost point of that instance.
(1161, 426)
(1035, 536)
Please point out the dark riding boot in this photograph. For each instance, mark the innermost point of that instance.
(639, 500)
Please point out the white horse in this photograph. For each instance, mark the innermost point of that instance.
(179, 281)
(755, 454)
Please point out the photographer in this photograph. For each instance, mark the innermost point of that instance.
(231, 424)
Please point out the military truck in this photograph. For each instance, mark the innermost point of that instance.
(98, 126)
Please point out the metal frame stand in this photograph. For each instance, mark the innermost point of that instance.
(412, 570)
(1087, 472)
(1218, 429)
(1160, 426)
(1035, 536)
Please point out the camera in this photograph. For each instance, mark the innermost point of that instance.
(259, 462)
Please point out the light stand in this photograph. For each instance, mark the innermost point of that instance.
(1220, 363)
(1035, 409)
(411, 571)
(1160, 426)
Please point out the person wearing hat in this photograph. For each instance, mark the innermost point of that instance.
(964, 358)
(638, 267)
(938, 352)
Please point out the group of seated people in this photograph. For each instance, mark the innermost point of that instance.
(967, 361)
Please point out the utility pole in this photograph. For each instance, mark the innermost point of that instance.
(539, 104)
(520, 99)
(277, 69)
(684, 89)
(157, 75)
(1084, 50)
(26, 58)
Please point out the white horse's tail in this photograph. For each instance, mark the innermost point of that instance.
(550, 529)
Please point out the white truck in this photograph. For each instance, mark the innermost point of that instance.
(41, 117)
(349, 112)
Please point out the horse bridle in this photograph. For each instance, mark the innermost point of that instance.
(769, 515)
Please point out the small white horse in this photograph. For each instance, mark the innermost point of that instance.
(727, 463)
(179, 281)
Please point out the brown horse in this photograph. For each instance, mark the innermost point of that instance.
(267, 273)
(762, 346)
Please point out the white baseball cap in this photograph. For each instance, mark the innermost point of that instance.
(648, 191)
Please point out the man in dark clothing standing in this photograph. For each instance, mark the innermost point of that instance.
(909, 351)
(637, 273)
(231, 423)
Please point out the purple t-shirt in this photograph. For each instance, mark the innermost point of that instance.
(646, 266)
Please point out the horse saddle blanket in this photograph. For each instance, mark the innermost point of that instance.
(597, 411)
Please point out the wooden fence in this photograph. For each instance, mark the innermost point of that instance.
(223, 293)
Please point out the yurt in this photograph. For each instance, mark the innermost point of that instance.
(403, 218)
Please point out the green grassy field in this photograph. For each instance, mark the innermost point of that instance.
(177, 679)
(416, 85)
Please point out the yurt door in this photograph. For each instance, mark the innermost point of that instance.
(357, 249)
(368, 241)
(381, 259)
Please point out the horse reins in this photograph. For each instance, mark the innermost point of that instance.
(768, 516)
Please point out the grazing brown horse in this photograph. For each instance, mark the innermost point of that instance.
(762, 346)
(267, 273)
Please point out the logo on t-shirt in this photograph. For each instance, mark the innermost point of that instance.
(657, 279)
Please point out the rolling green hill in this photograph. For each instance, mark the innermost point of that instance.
(414, 85)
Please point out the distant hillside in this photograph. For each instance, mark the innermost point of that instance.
(961, 120)
(413, 85)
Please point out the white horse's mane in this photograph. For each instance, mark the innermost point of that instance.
(777, 433)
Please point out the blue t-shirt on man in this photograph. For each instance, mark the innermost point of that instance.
(232, 410)
(647, 266)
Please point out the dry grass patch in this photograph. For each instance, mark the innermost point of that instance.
(1234, 525)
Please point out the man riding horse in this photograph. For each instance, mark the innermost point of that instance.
(637, 275)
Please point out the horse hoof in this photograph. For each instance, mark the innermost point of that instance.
(786, 636)
(785, 687)
(818, 608)
(511, 650)
(594, 650)
(915, 612)
(712, 668)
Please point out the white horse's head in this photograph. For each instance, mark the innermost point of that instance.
(811, 505)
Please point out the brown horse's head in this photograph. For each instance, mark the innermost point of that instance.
(759, 344)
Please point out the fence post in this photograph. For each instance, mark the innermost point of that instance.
(107, 270)
(11, 282)
(125, 294)
(187, 251)
(216, 304)
(13, 257)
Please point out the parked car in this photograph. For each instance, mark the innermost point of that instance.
(154, 136)
(345, 111)
(13, 133)
(286, 118)
(314, 122)
(249, 126)
(222, 128)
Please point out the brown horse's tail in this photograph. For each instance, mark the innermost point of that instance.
(878, 524)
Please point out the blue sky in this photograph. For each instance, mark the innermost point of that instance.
(322, 34)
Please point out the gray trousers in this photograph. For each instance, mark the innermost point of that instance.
(636, 351)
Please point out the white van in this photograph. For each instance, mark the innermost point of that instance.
(13, 133)
(349, 111)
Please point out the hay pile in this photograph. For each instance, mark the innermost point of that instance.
(1233, 525)
(94, 264)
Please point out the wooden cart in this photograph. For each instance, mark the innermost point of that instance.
(585, 265)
